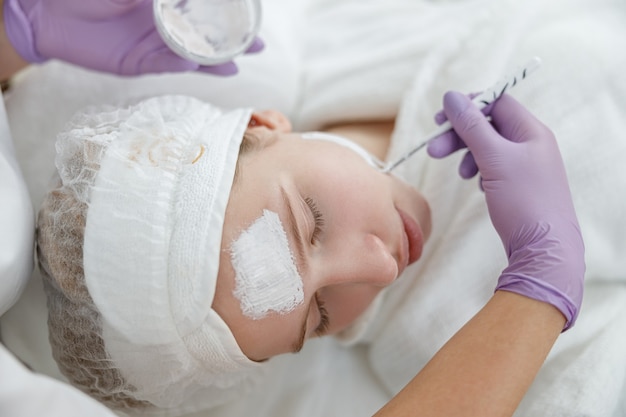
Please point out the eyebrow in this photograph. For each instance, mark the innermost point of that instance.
(301, 261)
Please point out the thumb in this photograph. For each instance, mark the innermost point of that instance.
(469, 122)
(515, 122)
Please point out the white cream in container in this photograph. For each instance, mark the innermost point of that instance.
(208, 32)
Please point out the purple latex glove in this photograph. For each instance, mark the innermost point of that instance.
(116, 36)
(528, 197)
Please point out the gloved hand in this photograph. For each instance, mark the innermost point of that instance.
(116, 36)
(528, 197)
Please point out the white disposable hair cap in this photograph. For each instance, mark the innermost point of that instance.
(151, 248)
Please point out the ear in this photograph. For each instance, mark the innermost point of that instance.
(271, 119)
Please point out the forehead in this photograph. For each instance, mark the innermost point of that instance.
(268, 157)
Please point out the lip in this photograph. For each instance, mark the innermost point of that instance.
(414, 238)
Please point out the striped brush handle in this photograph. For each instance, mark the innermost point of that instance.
(481, 101)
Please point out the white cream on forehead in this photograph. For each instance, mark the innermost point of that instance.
(266, 277)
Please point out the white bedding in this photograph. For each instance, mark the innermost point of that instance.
(16, 222)
(334, 60)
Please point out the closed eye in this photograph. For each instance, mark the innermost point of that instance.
(317, 218)
(322, 328)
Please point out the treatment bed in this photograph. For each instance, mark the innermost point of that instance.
(328, 61)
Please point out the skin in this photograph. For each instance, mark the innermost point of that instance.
(483, 370)
(361, 248)
(487, 367)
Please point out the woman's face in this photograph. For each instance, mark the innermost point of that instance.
(352, 230)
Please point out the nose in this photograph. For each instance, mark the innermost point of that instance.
(361, 260)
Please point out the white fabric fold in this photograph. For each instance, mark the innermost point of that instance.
(354, 60)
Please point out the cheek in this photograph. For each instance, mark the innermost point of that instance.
(263, 338)
(355, 193)
(346, 303)
(259, 292)
(266, 278)
(341, 169)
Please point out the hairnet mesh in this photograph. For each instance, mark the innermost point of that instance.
(127, 242)
(74, 323)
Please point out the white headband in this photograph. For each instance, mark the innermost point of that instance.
(152, 248)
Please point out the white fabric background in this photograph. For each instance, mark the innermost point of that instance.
(335, 60)
(16, 222)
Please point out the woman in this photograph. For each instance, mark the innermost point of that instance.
(488, 368)
(183, 254)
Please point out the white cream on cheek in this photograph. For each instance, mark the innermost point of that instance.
(266, 277)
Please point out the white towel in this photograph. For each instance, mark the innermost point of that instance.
(355, 59)
(580, 93)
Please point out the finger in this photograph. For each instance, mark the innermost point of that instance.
(225, 70)
(440, 116)
(469, 123)
(514, 121)
(120, 3)
(103, 9)
(468, 168)
(164, 60)
(444, 145)
(168, 61)
(257, 46)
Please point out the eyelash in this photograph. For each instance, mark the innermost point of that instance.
(317, 218)
(324, 319)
